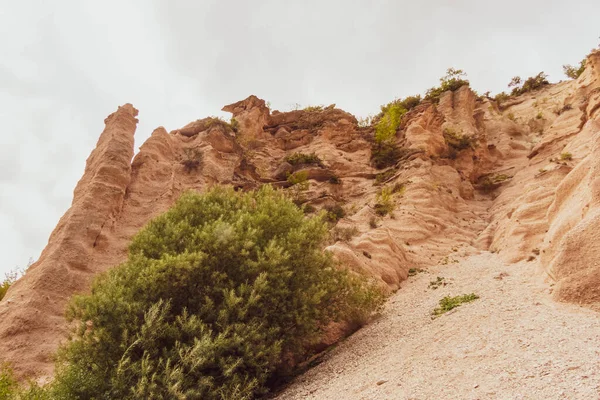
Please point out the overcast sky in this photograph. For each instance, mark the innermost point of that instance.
(65, 65)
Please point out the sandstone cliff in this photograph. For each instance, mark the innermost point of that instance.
(511, 193)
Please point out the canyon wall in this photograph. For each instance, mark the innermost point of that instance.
(527, 187)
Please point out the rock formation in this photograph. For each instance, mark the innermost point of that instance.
(527, 188)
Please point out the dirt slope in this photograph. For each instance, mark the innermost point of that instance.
(514, 342)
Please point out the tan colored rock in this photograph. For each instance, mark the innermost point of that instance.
(509, 192)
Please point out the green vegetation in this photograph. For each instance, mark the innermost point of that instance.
(365, 122)
(334, 212)
(192, 159)
(344, 234)
(335, 180)
(566, 156)
(574, 72)
(318, 108)
(453, 80)
(391, 116)
(385, 202)
(385, 152)
(564, 108)
(458, 141)
(303, 159)
(299, 179)
(511, 116)
(439, 282)
(530, 84)
(373, 222)
(220, 297)
(501, 97)
(384, 176)
(449, 303)
(490, 182)
(218, 121)
(540, 115)
(8, 384)
(235, 125)
(414, 271)
(10, 278)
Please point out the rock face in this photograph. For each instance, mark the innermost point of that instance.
(514, 190)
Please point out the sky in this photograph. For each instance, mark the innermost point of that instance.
(65, 65)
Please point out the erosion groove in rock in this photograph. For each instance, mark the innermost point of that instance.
(472, 176)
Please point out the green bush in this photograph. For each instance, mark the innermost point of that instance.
(458, 141)
(192, 159)
(334, 212)
(235, 125)
(218, 296)
(8, 384)
(453, 80)
(388, 124)
(530, 84)
(574, 72)
(385, 176)
(385, 201)
(501, 97)
(299, 179)
(566, 156)
(9, 278)
(385, 154)
(449, 303)
(303, 159)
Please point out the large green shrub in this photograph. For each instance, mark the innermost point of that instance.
(218, 295)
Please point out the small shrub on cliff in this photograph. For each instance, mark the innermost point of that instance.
(385, 201)
(385, 154)
(299, 179)
(574, 72)
(566, 156)
(501, 97)
(303, 159)
(458, 141)
(218, 295)
(530, 84)
(334, 212)
(192, 159)
(9, 278)
(388, 124)
(453, 80)
(235, 125)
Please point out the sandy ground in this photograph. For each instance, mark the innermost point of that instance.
(512, 343)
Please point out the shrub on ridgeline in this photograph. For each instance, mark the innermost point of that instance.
(453, 80)
(529, 85)
(574, 72)
(218, 295)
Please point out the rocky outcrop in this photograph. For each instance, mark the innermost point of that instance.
(473, 176)
(32, 312)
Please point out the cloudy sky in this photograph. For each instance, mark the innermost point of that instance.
(65, 65)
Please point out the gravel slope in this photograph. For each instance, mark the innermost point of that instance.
(512, 343)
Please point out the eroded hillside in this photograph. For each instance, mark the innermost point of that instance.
(525, 186)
